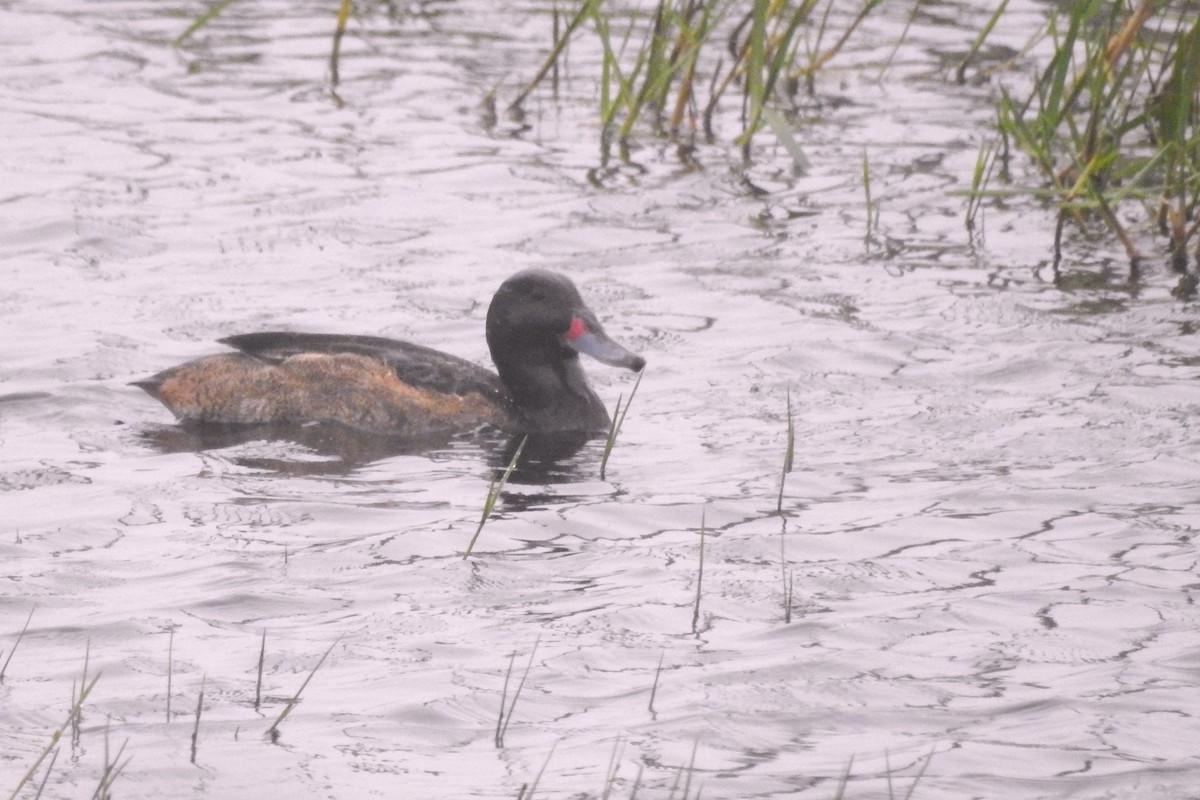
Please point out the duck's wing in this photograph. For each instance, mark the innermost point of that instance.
(415, 365)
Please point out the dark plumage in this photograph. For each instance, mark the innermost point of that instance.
(537, 325)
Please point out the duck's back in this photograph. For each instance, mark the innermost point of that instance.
(365, 382)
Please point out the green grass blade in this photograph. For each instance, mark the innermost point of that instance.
(494, 493)
(202, 20)
(618, 419)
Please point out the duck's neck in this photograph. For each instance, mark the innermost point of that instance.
(554, 396)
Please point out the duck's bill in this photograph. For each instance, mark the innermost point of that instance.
(587, 337)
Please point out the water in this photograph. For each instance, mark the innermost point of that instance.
(988, 531)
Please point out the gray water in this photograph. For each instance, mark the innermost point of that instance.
(988, 531)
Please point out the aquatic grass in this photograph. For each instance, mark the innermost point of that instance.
(840, 792)
(654, 687)
(653, 66)
(586, 10)
(768, 54)
(343, 16)
(887, 64)
(786, 575)
(960, 74)
(262, 657)
(202, 19)
(614, 765)
(294, 700)
(77, 704)
(1114, 119)
(618, 419)
(699, 579)
(887, 761)
(506, 714)
(685, 774)
(872, 205)
(494, 490)
(170, 667)
(17, 643)
(783, 132)
(844, 780)
(985, 164)
(528, 789)
(497, 737)
(72, 721)
(46, 774)
(113, 767)
(637, 782)
(199, 709)
(789, 452)
(916, 780)
(832, 51)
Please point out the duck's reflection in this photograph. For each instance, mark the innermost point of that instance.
(331, 449)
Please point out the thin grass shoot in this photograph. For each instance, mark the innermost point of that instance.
(294, 700)
(17, 643)
(170, 667)
(654, 687)
(840, 794)
(46, 775)
(614, 764)
(73, 715)
(343, 16)
(262, 657)
(494, 490)
(618, 419)
(699, 578)
(506, 714)
(203, 19)
(199, 709)
(786, 576)
(960, 74)
(113, 767)
(789, 452)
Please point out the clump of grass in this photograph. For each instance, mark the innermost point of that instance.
(1114, 120)
(654, 67)
(494, 490)
(294, 700)
(618, 419)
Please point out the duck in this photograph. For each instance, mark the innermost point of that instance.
(536, 328)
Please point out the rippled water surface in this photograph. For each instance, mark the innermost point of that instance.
(989, 531)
